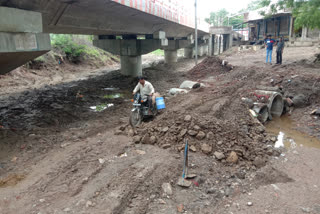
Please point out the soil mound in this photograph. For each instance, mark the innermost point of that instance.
(210, 66)
(209, 128)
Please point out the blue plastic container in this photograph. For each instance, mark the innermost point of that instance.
(160, 103)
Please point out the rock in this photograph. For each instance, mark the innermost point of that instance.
(161, 201)
(193, 148)
(42, 200)
(201, 135)
(300, 100)
(206, 149)
(145, 139)
(174, 91)
(131, 133)
(153, 140)
(140, 152)
(166, 146)
(210, 135)
(122, 128)
(187, 118)
(192, 133)
(219, 142)
(183, 132)
(165, 129)
(306, 209)
(289, 102)
(167, 189)
(249, 203)
(89, 204)
(219, 155)
(259, 162)
(136, 139)
(232, 158)
(196, 127)
(66, 210)
(180, 208)
(212, 190)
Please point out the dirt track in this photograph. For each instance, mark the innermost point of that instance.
(58, 156)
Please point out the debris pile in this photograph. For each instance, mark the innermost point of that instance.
(209, 66)
(229, 141)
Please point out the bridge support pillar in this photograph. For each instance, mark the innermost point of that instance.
(131, 65)
(170, 56)
(188, 53)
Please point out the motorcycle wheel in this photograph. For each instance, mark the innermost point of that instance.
(154, 110)
(135, 118)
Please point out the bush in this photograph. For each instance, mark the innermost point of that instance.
(65, 43)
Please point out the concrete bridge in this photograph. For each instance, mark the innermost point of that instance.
(129, 28)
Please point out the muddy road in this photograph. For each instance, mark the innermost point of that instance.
(67, 148)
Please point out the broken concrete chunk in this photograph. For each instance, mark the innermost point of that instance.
(192, 132)
(174, 91)
(187, 118)
(190, 84)
(201, 135)
(206, 149)
(167, 189)
(193, 148)
(219, 155)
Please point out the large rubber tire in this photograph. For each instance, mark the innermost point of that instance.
(135, 118)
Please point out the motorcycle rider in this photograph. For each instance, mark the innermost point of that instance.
(146, 90)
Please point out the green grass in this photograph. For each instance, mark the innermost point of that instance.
(158, 52)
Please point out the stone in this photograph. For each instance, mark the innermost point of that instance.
(219, 155)
(153, 140)
(166, 146)
(259, 162)
(140, 152)
(122, 128)
(183, 132)
(196, 127)
(145, 139)
(167, 189)
(300, 100)
(289, 101)
(206, 149)
(165, 129)
(66, 210)
(232, 158)
(220, 142)
(193, 148)
(89, 204)
(192, 132)
(249, 203)
(187, 118)
(131, 133)
(136, 139)
(210, 135)
(201, 135)
(306, 209)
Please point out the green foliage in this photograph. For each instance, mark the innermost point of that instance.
(158, 52)
(220, 18)
(257, 4)
(66, 44)
(306, 12)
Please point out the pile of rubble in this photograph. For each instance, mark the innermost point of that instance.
(243, 141)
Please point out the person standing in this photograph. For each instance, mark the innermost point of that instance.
(280, 47)
(269, 43)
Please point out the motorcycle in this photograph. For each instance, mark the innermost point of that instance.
(141, 110)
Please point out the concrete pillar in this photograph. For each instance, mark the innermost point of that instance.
(170, 56)
(188, 53)
(210, 48)
(131, 65)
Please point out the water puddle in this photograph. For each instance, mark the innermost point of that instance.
(288, 137)
(102, 107)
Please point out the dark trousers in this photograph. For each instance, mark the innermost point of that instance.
(279, 57)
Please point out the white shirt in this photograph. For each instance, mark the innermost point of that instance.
(145, 89)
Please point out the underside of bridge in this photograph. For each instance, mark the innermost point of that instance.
(25, 26)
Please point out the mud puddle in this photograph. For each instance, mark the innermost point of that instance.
(284, 128)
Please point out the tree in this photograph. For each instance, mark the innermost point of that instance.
(220, 18)
(306, 12)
